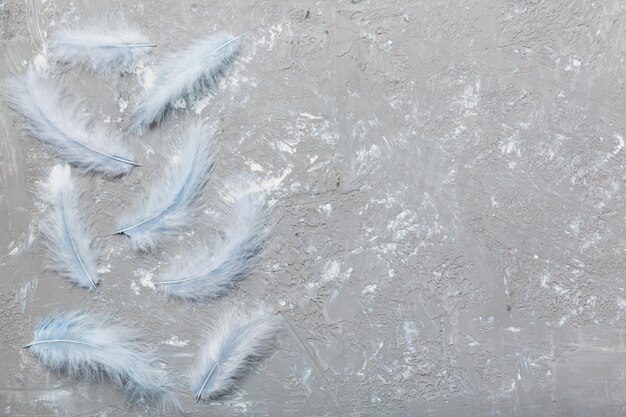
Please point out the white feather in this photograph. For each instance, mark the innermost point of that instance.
(170, 205)
(100, 49)
(51, 117)
(230, 349)
(68, 233)
(189, 73)
(85, 345)
(210, 270)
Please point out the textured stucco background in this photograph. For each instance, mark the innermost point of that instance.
(448, 210)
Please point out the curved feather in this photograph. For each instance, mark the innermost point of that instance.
(170, 204)
(188, 73)
(212, 269)
(68, 233)
(101, 49)
(86, 345)
(48, 116)
(229, 351)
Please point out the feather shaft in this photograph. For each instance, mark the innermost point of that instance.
(199, 394)
(68, 232)
(98, 48)
(178, 281)
(170, 205)
(86, 345)
(106, 155)
(82, 265)
(141, 223)
(51, 117)
(132, 45)
(41, 342)
(192, 72)
(235, 343)
(225, 44)
(215, 267)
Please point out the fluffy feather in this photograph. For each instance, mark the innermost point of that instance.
(49, 117)
(68, 233)
(86, 345)
(215, 267)
(188, 73)
(230, 349)
(101, 49)
(171, 202)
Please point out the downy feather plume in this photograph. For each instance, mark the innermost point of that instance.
(215, 267)
(229, 351)
(170, 205)
(49, 116)
(86, 345)
(188, 73)
(100, 49)
(68, 232)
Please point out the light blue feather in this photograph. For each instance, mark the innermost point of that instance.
(51, 117)
(86, 345)
(230, 349)
(190, 73)
(68, 233)
(170, 204)
(101, 49)
(215, 267)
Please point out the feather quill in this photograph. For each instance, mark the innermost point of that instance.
(217, 266)
(229, 351)
(86, 345)
(100, 49)
(188, 73)
(68, 233)
(49, 116)
(171, 202)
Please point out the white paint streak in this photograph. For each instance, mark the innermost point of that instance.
(175, 341)
(330, 271)
(369, 289)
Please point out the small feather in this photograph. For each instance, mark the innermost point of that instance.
(86, 345)
(68, 233)
(229, 351)
(217, 266)
(48, 116)
(100, 49)
(189, 73)
(170, 205)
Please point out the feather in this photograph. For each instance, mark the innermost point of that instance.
(100, 49)
(49, 117)
(169, 206)
(230, 349)
(188, 73)
(86, 345)
(68, 233)
(215, 267)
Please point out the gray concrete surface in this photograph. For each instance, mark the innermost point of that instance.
(447, 181)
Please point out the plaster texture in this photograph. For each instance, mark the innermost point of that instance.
(447, 183)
